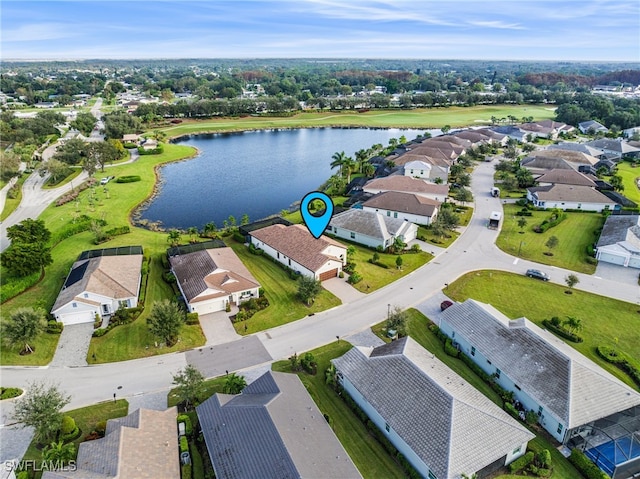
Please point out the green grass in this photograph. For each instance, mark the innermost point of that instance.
(73, 173)
(10, 204)
(375, 277)
(629, 175)
(86, 419)
(574, 235)
(605, 321)
(441, 241)
(368, 455)
(284, 305)
(418, 118)
(211, 386)
(44, 347)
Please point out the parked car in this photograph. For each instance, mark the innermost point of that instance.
(106, 180)
(537, 274)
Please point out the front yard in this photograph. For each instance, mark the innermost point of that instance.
(574, 235)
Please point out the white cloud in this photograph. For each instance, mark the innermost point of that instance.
(38, 32)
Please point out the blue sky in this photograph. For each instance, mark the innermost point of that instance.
(443, 29)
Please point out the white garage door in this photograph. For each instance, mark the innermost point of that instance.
(612, 258)
(207, 307)
(634, 263)
(77, 318)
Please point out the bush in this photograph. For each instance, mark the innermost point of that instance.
(97, 333)
(254, 250)
(54, 327)
(128, 179)
(188, 426)
(543, 459)
(510, 408)
(239, 237)
(169, 277)
(588, 469)
(120, 230)
(450, 349)
(591, 260)
(552, 220)
(354, 278)
(74, 194)
(192, 319)
(621, 360)
(308, 363)
(560, 331)
(155, 151)
(521, 462)
(185, 471)
(101, 427)
(68, 425)
(341, 274)
(184, 444)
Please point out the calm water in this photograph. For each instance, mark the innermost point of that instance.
(258, 173)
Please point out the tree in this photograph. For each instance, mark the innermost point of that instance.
(308, 289)
(338, 161)
(573, 324)
(173, 238)
(445, 129)
(447, 219)
(571, 281)
(244, 220)
(463, 195)
(59, 453)
(192, 232)
(399, 262)
(29, 251)
(368, 169)
(234, 384)
(23, 327)
(102, 153)
(72, 151)
(551, 243)
(165, 321)
(397, 320)
(522, 222)
(616, 182)
(209, 230)
(189, 384)
(41, 408)
(84, 122)
(524, 178)
(9, 165)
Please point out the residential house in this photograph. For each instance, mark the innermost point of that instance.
(100, 282)
(273, 429)
(432, 168)
(371, 229)
(442, 425)
(619, 242)
(564, 196)
(511, 131)
(592, 127)
(294, 247)
(46, 104)
(211, 279)
(539, 161)
(143, 445)
(149, 144)
(408, 184)
(631, 132)
(131, 138)
(405, 206)
(418, 169)
(579, 147)
(615, 149)
(565, 177)
(577, 402)
(440, 152)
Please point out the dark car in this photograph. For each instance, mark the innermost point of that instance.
(537, 274)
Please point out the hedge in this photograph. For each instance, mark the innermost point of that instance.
(186, 471)
(621, 360)
(128, 179)
(192, 319)
(155, 151)
(54, 327)
(560, 331)
(588, 469)
(450, 349)
(554, 219)
(521, 462)
(120, 230)
(184, 444)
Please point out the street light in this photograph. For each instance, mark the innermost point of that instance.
(388, 311)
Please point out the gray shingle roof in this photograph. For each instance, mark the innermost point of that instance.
(369, 223)
(570, 386)
(567, 177)
(403, 202)
(272, 430)
(449, 424)
(570, 193)
(615, 229)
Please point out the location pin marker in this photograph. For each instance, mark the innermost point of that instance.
(316, 224)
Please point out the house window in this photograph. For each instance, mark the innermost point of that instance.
(388, 213)
(559, 428)
(498, 372)
(387, 427)
(540, 410)
(516, 450)
(395, 214)
(473, 351)
(422, 172)
(289, 262)
(353, 235)
(412, 172)
(278, 255)
(86, 295)
(488, 361)
(105, 308)
(74, 305)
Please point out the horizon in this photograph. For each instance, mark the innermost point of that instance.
(536, 31)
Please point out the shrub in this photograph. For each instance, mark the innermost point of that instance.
(354, 278)
(192, 319)
(562, 332)
(101, 427)
(169, 277)
(184, 444)
(554, 219)
(188, 427)
(100, 332)
(120, 230)
(228, 308)
(510, 408)
(54, 327)
(521, 462)
(341, 274)
(621, 360)
(588, 469)
(450, 349)
(68, 425)
(308, 363)
(185, 471)
(522, 202)
(155, 151)
(531, 417)
(543, 459)
(128, 179)
(239, 237)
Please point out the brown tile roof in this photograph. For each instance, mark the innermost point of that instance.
(435, 151)
(571, 193)
(567, 155)
(436, 160)
(403, 202)
(406, 184)
(472, 135)
(216, 269)
(298, 244)
(566, 177)
(451, 139)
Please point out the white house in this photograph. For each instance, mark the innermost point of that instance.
(592, 126)
(567, 391)
(99, 285)
(409, 207)
(619, 241)
(211, 279)
(615, 149)
(371, 229)
(293, 246)
(565, 197)
(417, 169)
(408, 184)
(441, 424)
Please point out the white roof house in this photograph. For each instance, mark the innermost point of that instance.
(371, 228)
(619, 241)
(441, 424)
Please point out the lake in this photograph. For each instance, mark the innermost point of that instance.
(258, 173)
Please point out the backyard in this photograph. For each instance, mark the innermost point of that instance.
(630, 174)
(575, 234)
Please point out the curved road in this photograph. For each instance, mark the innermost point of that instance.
(475, 249)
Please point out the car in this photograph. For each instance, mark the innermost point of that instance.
(106, 180)
(537, 274)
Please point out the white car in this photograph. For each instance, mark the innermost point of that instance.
(106, 180)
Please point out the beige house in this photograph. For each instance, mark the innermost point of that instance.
(408, 184)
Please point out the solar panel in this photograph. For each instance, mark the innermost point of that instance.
(76, 274)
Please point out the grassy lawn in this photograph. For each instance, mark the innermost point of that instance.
(74, 173)
(284, 305)
(10, 204)
(368, 455)
(605, 321)
(44, 346)
(375, 277)
(629, 175)
(86, 419)
(574, 235)
(418, 118)
(211, 386)
(418, 330)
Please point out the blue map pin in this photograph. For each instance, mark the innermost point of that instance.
(316, 224)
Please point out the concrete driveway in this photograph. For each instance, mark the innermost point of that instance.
(617, 273)
(217, 328)
(343, 290)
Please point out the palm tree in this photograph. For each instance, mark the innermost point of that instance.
(338, 160)
(234, 384)
(573, 324)
(59, 452)
(361, 158)
(174, 237)
(348, 166)
(209, 230)
(368, 169)
(193, 232)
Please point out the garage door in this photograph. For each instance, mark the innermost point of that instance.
(329, 274)
(77, 318)
(207, 307)
(611, 258)
(634, 262)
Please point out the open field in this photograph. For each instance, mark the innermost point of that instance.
(284, 305)
(629, 175)
(574, 235)
(605, 321)
(418, 118)
(365, 451)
